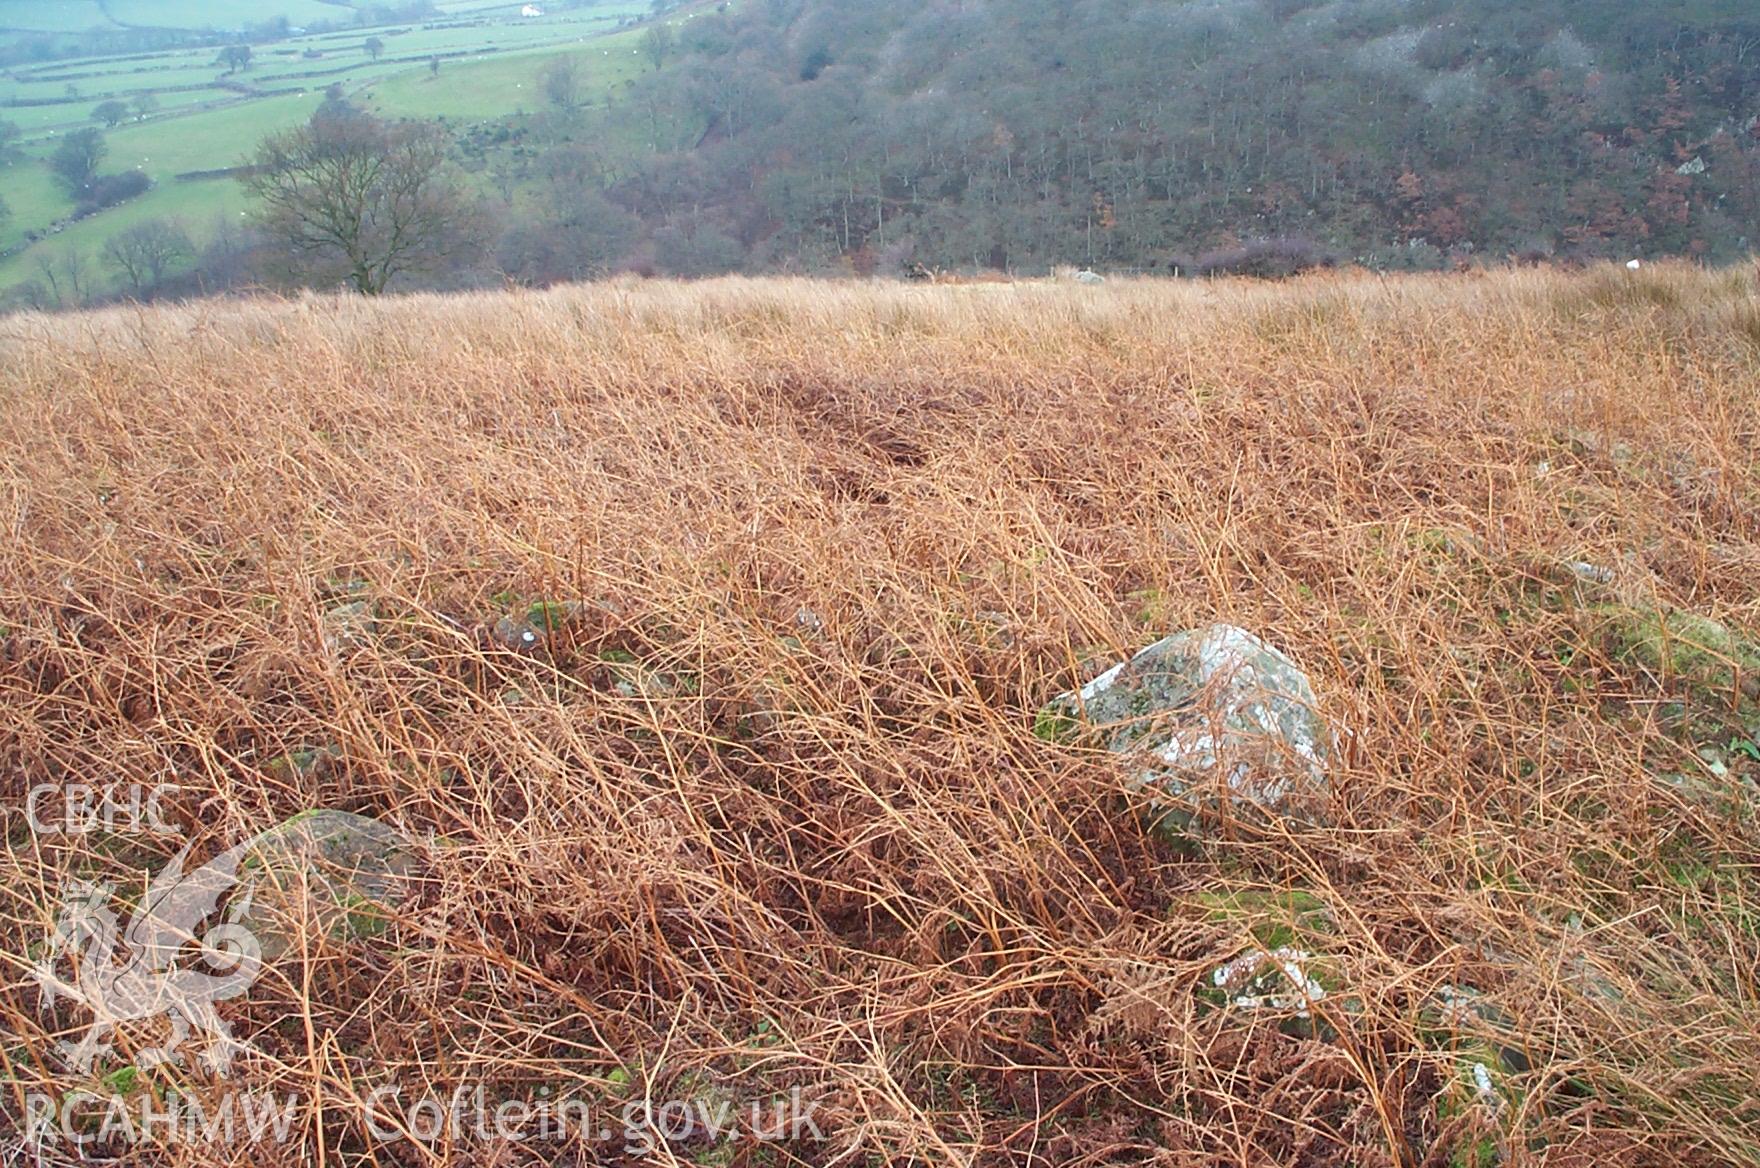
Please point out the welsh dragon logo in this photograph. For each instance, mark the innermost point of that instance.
(147, 969)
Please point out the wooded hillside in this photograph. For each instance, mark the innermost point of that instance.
(1128, 133)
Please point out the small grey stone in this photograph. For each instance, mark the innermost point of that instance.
(335, 869)
(518, 635)
(1467, 1011)
(349, 626)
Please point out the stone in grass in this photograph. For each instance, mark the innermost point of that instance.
(1478, 1106)
(1477, 1026)
(1278, 980)
(1483, 1047)
(518, 635)
(349, 626)
(631, 677)
(527, 631)
(1204, 707)
(337, 873)
(1592, 444)
(305, 762)
(1714, 787)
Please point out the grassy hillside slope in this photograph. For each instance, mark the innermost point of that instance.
(192, 15)
(765, 810)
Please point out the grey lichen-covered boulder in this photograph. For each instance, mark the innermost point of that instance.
(335, 873)
(1202, 712)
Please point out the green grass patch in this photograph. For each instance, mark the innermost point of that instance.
(199, 205)
(61, 16)
(222, 14)
(209, 128)
(160, 149)
(35, 198)
(500, 86)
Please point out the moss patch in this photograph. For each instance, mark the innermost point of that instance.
(1685, 649)
(1275, 919)
(1052, 724)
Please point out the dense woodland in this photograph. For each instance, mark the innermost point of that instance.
(1136, 134)
(1125, 135)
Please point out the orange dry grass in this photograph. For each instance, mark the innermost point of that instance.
(862, 533)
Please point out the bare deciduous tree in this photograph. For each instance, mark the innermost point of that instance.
(142, 254)
(560, 79)
(349, 195)
(76, 160)
(65, 275)
(657, 44)
(77, 273)
(49, 268)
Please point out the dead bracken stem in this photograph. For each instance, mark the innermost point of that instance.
(759, 805)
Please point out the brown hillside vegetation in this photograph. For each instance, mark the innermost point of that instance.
(761, 807)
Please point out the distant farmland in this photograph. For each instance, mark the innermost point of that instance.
(204, 117)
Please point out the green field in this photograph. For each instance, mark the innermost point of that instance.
(123, 83)
(65, 16)
(205, 141)
(35, 120)
(31, 192)
(80, 15)
(188, 78)
(222, 14)
(504, 85)
(457, 7)
(162, 149)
